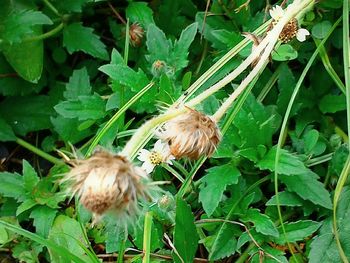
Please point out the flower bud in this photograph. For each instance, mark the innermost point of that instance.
(136, 34)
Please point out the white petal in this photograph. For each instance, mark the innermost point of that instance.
(148, 167)
(302, 33)
(276, 12)
(158, 146)
(143, 155)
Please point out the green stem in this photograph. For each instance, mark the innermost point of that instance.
(51, 6)
(121, 252)
(173, 172)
(147, 232)
(45, 35)
(126, 45)
(39, 152)
(245, 254)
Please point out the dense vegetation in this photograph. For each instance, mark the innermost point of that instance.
(81, 75)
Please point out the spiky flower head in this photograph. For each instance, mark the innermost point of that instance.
(136, 34)
(191, 135)
(107, 183)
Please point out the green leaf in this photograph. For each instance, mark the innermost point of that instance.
(286, 199)
(20, 23)
(6, 132)
(79, 84)
(179, 54)
(139, 12)
(115, 235)
(214, 183)
(310, 140)
(30, 177)
(26, 205)
(320, 30)
(225, 244)
(284, 52)
(288, 163)
(263, 224)
(83, 108)
(43, 219)
(67, 232)
(297, 231)
(157, 44)
(308, 187)
(12, 185)
(26, 114)
(286, 83)
(185, 233)
(332, 103)
(76, 37)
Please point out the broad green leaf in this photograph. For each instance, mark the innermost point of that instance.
(310, 140)
(79, 84)
(76, 37)
(84, 108)
(185, 233)
(320, 30)
(71, 6)
(332, 103)
(214, 183)
(308, 187)
(27, 114)
(284, 52)
(20, 23)
(157, 44)
(286, 83)
(225, 244)
(43, 219)
(178, 57)
(12, 186)
(6, 132)
(139, 12)
(297, 231)
(30, 177)
(229, 38)
(115, 234)
(26, 205)
(288, 163)
(263, 224)
(67, 232)
(286, 199)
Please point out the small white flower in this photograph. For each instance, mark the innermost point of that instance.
(302, 33)
(276, 12)
(159, 154)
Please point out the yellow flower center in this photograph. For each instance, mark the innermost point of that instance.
(155, 158)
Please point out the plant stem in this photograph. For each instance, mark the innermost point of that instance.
(45, 35)
(51, 6)
(39, 152)
(147, 232)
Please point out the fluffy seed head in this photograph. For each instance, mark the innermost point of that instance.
(136, 34)
(191, 135)
(107, 183)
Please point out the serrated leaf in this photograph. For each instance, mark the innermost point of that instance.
(214, 183)
(263, 224)
(6, 132)
(83, 108)
(297, 231)
(20, 23)
(308, 187)
(157, 44)
(185, 233)
(76, 37)
(179, 54)
(43, 219)
(12, 186)
(30, 177)
(139, 12)
(288, 163)
(332, 103)
(26, 205)
(26, 114)
(79, 84)
(286, 199)
(225, 243)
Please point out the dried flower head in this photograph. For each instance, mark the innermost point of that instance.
(256, 41)
(291, 29)
(191, 135)
(136, 34)
(107, 183)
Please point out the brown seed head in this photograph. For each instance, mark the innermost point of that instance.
(107, 183)
(289, 31)
(136, 34)
(191, 135)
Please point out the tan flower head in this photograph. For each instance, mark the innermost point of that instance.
(136, 34)
(191, 135)
(107, 183)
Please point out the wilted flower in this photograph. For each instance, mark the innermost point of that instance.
(136, 34)
(291, 29)
(159, 154)
(191, 135)
(107, 183)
